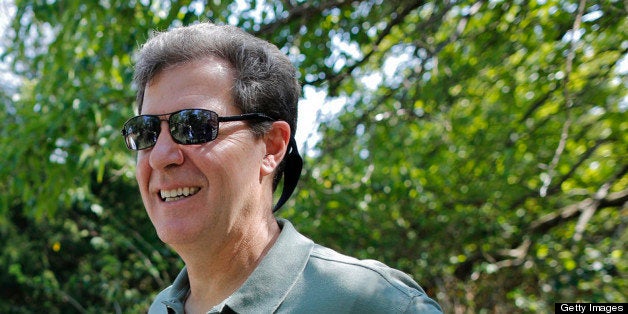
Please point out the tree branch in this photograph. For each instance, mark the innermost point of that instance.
(570, 212)
(301, 11)
(398, 18)
(551, 169)
(515, 256)
(68, 298)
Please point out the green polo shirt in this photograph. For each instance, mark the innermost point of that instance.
(299, 276)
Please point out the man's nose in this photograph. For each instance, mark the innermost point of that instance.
(166, 153)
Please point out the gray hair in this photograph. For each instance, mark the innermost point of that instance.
(265, 80)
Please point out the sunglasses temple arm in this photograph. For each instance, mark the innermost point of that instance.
(291, 173)
(246, 116)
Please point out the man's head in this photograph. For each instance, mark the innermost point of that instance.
(264, 79)
(235, 93)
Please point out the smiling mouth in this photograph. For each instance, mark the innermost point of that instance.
(177, 194)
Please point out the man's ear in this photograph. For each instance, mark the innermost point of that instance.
(277, 140)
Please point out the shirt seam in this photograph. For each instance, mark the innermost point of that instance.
(409, 293)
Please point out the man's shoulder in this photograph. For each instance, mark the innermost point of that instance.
(365, 284)
(327, 262)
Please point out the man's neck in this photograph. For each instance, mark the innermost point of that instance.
(217, 273)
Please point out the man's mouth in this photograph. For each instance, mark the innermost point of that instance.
(177, 194)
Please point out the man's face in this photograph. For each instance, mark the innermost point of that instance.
(222, 176)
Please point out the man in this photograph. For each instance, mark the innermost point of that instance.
(214, 138)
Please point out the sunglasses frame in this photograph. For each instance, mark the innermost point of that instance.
(215, 119)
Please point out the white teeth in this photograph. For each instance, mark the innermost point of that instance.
(177, 194)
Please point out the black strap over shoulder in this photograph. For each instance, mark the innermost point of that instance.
(291, 173)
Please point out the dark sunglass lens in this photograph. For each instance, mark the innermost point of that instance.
(141, 132)
(194, 126)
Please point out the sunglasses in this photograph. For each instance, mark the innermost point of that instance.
(187, 127)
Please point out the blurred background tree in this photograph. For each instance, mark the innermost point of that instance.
(478, 145)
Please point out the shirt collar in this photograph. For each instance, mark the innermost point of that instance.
(270, 282)
(178, 292)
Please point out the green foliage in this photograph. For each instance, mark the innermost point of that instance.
(485, 156)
